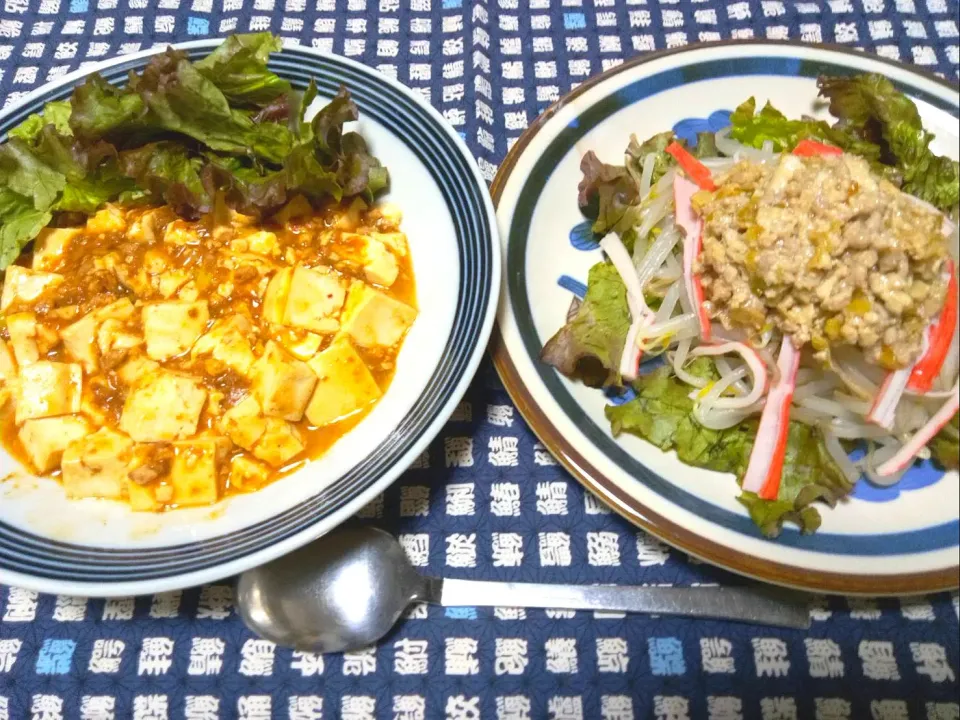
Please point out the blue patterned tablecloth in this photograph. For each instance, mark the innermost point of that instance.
(486, 501)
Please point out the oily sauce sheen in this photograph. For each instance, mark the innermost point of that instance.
(194, 359)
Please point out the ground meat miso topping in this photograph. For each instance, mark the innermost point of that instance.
(824, 251)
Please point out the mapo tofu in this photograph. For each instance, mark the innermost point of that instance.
(170, 362)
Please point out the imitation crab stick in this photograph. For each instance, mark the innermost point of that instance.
(692, 226)
(906, 454)
(810, 148)
(939, 337)
(920, 375)
(770, 447)
(640, 314)
(884, 408)
(697, 171)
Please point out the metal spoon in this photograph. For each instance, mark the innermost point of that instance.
(348, 589)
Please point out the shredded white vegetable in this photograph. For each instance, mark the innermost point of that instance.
(840, 400)
(647, 175)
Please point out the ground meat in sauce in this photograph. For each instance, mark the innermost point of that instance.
(142, 302)
(826, 252)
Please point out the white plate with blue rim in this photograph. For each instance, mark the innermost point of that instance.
(898, 540)
(101, 548)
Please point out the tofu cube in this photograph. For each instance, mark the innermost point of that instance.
(163, 406)
(146, 227)
(45, 439)
(227, 342)
(194, 474)
(280, 442)
(23, 337)
(275, 298)
(21, 284)
(169, 282)
(344, 384)
(281, 384)
(389, 213)
(373, 319)
(379, 264)
(97, 465)
(247, 474)
(189, 292)
(132, 371)
(180, 233)
(108, 220)
(244, 423)
(396, 242)
(171, 328)
(49, 245)
(350, 219)
(8, 365)
(47, 389)
(302, 345)
(114, 335)
(155, 261)
(262, 242)
(47, 338)
(80, 338)
(121, 309)
(315, 298)
(91, 410)
(142, 498)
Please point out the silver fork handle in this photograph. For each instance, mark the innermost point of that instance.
(760, 606)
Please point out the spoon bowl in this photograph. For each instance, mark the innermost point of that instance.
(342, 593)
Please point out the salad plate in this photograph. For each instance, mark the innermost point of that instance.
(876, 538)
(60, 537)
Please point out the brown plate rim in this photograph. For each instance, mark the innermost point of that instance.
(635, 512)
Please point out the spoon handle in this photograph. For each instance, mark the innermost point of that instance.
(759, 606)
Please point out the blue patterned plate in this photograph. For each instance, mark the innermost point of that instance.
(93, 547)
(904, 539)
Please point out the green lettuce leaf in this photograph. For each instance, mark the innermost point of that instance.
(326, 163)
(871, 108)
(182, 100)
(706, 145)
(307, 175)
(183, 133)
(245, 187)
(607, 193)
(610, 194)
(100, 109)
(24, 173)
(588, 348)
(173, 96)
(238, 68)
(168, 170)
(91, 176)
(946, 445)
(304, 129)
(662, 415)
(56, 113)
(346, 154)
(637, 153)
(88, 193)
(754, 128)
(20, 222)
